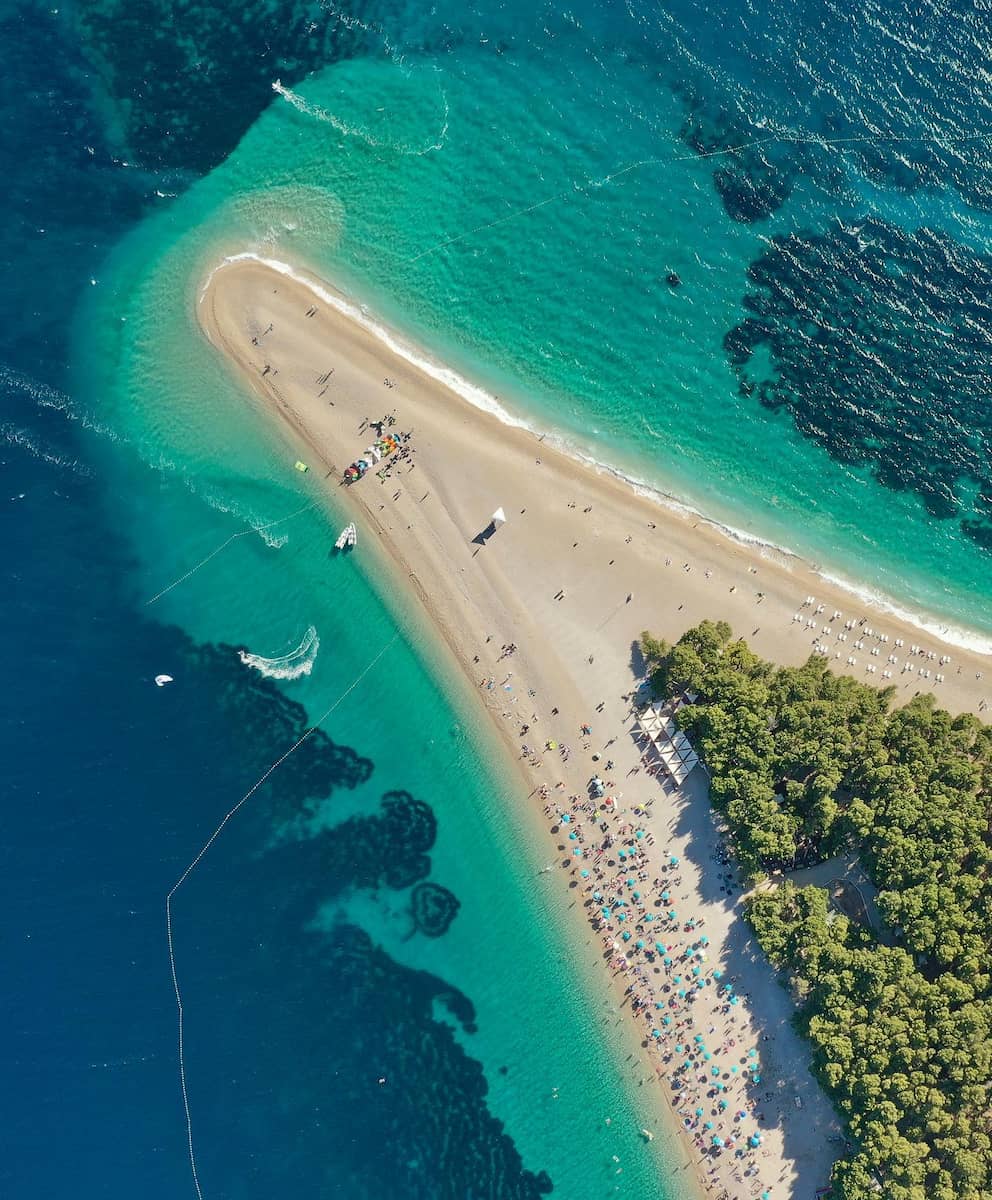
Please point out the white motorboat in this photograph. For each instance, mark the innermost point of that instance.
(347, 538)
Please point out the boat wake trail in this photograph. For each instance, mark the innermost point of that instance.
(293, 665)
(196, 862)
(259, 529)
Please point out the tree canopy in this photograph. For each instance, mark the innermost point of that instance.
(804, 763)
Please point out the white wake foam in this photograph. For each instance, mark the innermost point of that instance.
(293, 665)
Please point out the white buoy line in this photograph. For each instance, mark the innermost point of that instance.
(223, 546)
(195, 862)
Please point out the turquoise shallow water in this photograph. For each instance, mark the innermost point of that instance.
(531, 252)
(545, 200)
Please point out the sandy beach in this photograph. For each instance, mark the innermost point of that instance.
(543, 616)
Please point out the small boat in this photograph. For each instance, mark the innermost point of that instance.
(347, 538)
(301, 466)
(162, 680)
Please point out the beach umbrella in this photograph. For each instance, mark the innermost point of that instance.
(715, 1070)
(699, 1112)
(717, 1141)
(752, 1054)
(733, 999)
(664, 897)
(698, 1037)
(666, 1020)
(649, 917)
(668, 961)
(722, 1105)
(707, 1056)
(498, 517)
(626, 935)
(573, 836)
(677, 979)
(717, 974)
(673, 861)
(564, 816)
(754, 1140)
(678, 1048)
(640, 944)
(708, 1124)
(755, 1078)
(704, 941)
(672, 914)
(734, 1069)
(577, 851)
(584, 873)
(636, 895)
(766, 1196)
(661, 950)
(681, 993)
(605, 912)
(656, 1033)
(621, 916)
(597, 895)
(623, 854)
(639, 834)
(695, 970)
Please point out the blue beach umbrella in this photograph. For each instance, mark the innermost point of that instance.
(717, 974)
(605, 912)
(626, 935)
(673, 861)
(656, 1033)
(754, 1140)
(672, 914)
(573, 836)
(755, 1078)
(664, 897)
(577, 851)
(715, 1070)
(717, 1141)
(597, 895)
(621, 916)
(734, 1069)
(668, 961)
(679, 1048)
(639, 834)
(640, 944)
(681, 993)
(677, 979)
(699, 1112)
(565, 818)
(698, 1037)
(695, 970)
(584, 873)
(649, 917)
(666, 1020)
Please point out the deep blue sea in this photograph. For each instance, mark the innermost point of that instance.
(741, 252)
